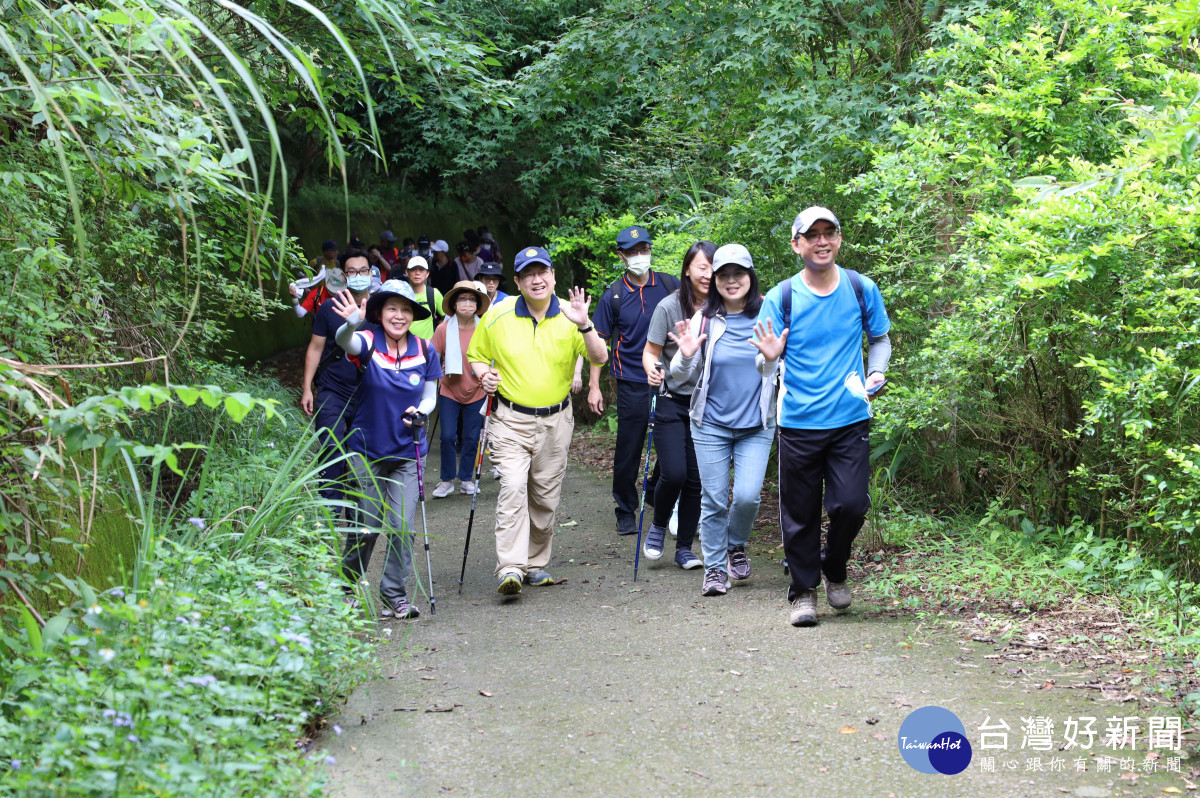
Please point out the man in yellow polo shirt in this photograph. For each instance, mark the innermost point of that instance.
(534, 341)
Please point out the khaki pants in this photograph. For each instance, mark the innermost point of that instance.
(531, 454)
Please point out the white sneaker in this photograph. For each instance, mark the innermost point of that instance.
(443, 490)
(674, 523)
(495, 473)
(468, 488)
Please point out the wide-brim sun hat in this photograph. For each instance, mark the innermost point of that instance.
(394, 288)
(466, 286)
(732, 255)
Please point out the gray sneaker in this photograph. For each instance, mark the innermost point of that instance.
(715, 583)
(739, 563)
(400, 608)
(539, 578)
(804, 609)
(510, 584)
(838, 594)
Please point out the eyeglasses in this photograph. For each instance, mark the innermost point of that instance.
(357, 272)
(815, 235)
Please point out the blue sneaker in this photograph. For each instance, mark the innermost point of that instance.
(539, 578)
(652, 546)
(510, 584)
(686, 560)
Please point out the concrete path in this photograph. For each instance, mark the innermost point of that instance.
(601, 686)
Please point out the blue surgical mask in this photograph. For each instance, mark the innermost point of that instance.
(359, 283)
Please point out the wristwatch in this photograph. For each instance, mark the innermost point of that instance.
(587, 329)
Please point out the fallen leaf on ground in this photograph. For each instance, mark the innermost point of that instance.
(847, 730)
(485, 694)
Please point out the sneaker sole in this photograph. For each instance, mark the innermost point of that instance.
(714, 592)
(651, 554)
(691, 565)
(803, 621)
(509, 587)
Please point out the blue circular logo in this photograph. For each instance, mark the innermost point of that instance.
(934, 740)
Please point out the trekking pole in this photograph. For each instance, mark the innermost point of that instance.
(645, 478)
(487, 419)
(418, 420)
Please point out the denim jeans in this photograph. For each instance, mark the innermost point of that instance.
(472, 422)
(722, 527)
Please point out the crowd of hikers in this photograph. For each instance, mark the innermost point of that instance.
(709, 374)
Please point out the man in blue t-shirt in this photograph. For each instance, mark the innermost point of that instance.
(824, 409)
(336, 377)
(638, 293)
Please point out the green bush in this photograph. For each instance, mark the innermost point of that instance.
(206, 680)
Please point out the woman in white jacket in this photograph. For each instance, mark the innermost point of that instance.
(732, 411)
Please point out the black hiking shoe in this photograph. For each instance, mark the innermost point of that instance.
(626, 524)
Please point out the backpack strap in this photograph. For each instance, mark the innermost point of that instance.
(433, 309)
(857, 284)
(669, 281)
(614, 299)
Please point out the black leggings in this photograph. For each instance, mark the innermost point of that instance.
(679, 476)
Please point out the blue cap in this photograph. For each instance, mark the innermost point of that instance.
(330, 244)
(529, 256)
(630, 237)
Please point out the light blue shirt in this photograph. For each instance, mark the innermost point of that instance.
(823, 363)
(730, 404)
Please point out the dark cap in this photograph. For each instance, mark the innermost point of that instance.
(356, 242)
(529, 256)
(330, 244)
(388, 237)
(630, 237)
(490, 269)
(424, 242)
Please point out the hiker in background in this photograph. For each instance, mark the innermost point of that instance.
(492, 277)
(622, 318)
(309, 293)
(426, 296)
(489, 251)
(679, 477)
(439, 257)
(424, 247)
(825, 410)
(461, 394)
(335, 377)
(732, 410)
(379, 266)
(397, 377)
(533, 341)
(387, 247)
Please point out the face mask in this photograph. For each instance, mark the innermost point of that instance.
(638, 264)
(359, 283)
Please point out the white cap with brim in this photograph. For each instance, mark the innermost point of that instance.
(810, 216)
(440, 246)
(417, 262)
(394, 288)
(732, 255)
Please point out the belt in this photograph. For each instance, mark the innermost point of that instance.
(536, 411)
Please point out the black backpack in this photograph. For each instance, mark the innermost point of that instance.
(855, 282)
(669, 281)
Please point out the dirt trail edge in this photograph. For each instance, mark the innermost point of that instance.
(600, 686)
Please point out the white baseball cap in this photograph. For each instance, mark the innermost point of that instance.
(810, 216)
(440, 246)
